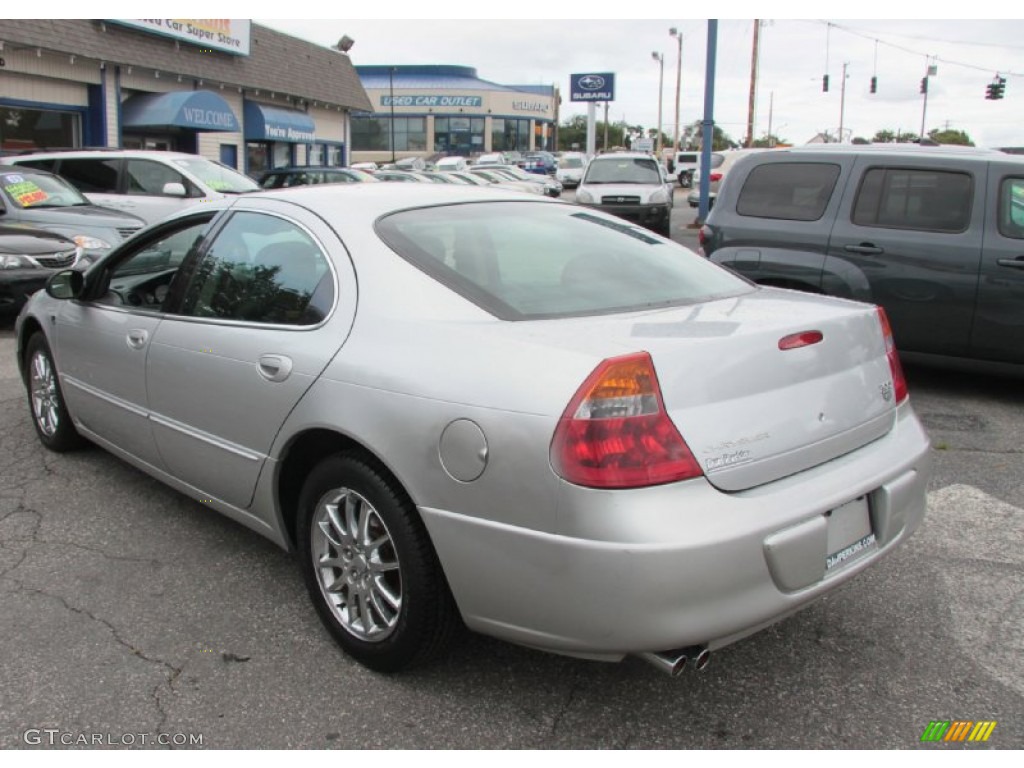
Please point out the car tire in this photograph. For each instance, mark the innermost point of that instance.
(50, 415)
(369, 566)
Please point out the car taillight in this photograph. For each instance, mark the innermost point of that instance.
(703, 235)
(899, 383)
(715, 176)
(615, 433)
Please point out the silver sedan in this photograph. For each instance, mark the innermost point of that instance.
(575, 435)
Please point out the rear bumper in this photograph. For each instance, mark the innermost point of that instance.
(681, 564)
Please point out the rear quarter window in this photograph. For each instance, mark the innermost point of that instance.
(790, 191)
(914, 198)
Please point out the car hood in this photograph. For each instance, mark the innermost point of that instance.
(81, 215)
(31, 241)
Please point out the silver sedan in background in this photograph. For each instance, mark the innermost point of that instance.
(571, 434)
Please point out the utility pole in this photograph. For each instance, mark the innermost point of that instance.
(679, 77)
(842, 101)
(707, 133)
(660, 58)
(753, 86)
(771, 108)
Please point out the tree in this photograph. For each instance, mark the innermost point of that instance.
(950, 136)
(770, 140)
(720, 139)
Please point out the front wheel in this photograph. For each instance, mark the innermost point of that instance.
(369, 566)
(50, 416)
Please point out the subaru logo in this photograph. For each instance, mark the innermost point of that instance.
(591, 82)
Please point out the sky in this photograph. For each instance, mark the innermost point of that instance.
(794, 55)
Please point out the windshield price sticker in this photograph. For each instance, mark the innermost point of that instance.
(24, 192)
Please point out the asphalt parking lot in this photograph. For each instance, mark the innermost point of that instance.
(127, 609)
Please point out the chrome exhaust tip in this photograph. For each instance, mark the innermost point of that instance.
(701, 656)
(671, 663)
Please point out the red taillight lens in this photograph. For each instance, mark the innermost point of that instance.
(703, 235)
(899, 383)
(715, 176)
(615, 433)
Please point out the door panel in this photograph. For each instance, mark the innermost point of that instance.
(908, 237)
(246, 344)
(102, 353)
(998, 332)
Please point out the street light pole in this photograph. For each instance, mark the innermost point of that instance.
(660, 58)
(679, 76)
(391, 89)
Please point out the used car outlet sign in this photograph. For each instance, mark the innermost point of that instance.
(432, 101)
(595, 86)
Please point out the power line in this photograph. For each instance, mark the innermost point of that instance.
(904, 49)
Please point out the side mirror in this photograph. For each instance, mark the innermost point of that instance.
(66, 284)
(174, 189)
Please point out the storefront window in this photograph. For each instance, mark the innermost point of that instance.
(282, 154)
(510, 134)
(374, 134)
(36, 128)
(459, 135)
(315, 154)
(334, 154)
(257, 157)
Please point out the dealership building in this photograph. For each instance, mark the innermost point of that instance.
(425, 110)
(227, 89)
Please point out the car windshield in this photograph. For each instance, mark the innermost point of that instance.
(36, 190)
(624, 170)
(568, 262)
(216, 176)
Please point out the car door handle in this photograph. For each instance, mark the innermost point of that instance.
(137, 338)
(275, 367)
(1017, 263)
(866, 248)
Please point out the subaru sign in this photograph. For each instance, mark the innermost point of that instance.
(593, 86)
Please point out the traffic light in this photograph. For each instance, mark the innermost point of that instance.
(824, 84)
(924, 85)
(874, 84)
(995, 89)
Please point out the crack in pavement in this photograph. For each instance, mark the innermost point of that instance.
(172, 672)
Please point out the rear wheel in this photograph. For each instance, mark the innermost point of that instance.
(46, 400)
(369, 566)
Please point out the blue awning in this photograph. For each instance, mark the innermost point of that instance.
(266, 123)
(196, 110)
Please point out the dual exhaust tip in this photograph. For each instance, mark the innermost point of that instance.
(673, 662)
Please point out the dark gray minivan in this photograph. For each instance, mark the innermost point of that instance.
(933, 234)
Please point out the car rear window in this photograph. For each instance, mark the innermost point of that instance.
(623, 170)
(909, 198)
(524, 261)
(791, 191)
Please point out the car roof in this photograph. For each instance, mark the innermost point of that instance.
(100, 152)
(301, 168)
(905, 150)
(370, 201)
(625, 156)
(24, 170)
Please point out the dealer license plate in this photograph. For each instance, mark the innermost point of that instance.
(849, 534)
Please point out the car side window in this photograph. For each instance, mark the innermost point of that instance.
(143, 278)
(42, 165)
(91, 174)
(791, 191)
(906, 198)
(146, 177)
(1011, 208)
(262, 269)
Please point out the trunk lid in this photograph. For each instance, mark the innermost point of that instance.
(751, 412)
